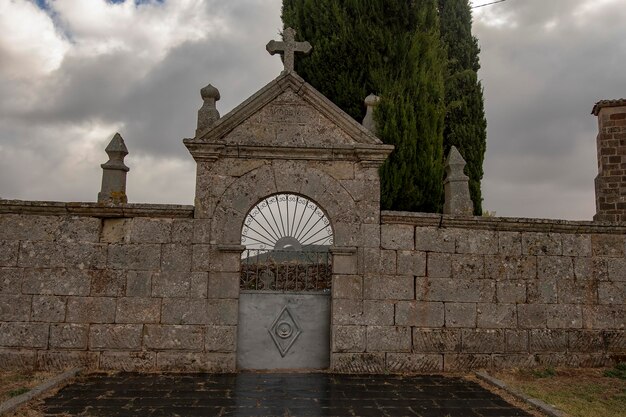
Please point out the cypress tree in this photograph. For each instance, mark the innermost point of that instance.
(391, 48)
(465, 123)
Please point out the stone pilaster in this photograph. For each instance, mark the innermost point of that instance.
(114, 171)
(610, 183)
(456, 186)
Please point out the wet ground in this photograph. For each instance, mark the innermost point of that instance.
(252, 394)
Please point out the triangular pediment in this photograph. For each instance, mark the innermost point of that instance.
(288, 112)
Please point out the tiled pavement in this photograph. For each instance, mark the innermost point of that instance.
(251, 394)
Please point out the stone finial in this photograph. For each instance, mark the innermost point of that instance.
(610, 183)
(287, 48)
(114, 171)
(369, 123)
(208, 114)
(456, 186)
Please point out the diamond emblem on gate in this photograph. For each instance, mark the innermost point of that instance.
(285, 330)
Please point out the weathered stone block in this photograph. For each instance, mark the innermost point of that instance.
(91, 310)
(576, 245)
(347, 312)
(226, 262)
(26, 227)
(184, 311)
(56, 281)
(397, 236)
(411, 362)
(506, 267)
(146, 230)
(9, 252)
(419, 314)
(455, 290)
(223, 312)
(516, 340)
(615, 340)
(496, 316)
(389, 287)
(564, 316)
(411, 263)
(183, 230)
(26, 335)
(41, 255)
(199, 285)
(585, 341)
(139, 283)
(78, 229)
(138, 310)
(388, 262)
(139, 256)
(511, 291)
(431, 239)
(477, 242)
(548, 340)
(358, 363)
(171, 284)
(163, 337)
(483, 340)
(378, 313)
(439, 265)
(532, 316)
(617, 269)
(196, 362)
(223, 285)
(468, 267)
(15, 307)
(612, 292)
(460, 315)
(115, 336)
(543, 290)
(509, 361)
(357, 312)
(436, 340)
(10, 280)
(69, 336)
(83, 255)
(347, 286)
(348, 339)
(48, 308)
(111, 283)
(555, 267)
(388, 339)
(57, 361)
(455, 362)
(370, 233)
(346, 264)
(600, 317)
(201, 257)
(17, 360)
(115, 230)
(128, 361)
(221, 339)
(578, 292)
(510, 243)
(176, 257)
(611, 246)
(550, 244)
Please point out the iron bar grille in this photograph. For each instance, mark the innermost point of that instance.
(276, 270)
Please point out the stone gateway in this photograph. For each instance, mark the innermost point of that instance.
(223, 285)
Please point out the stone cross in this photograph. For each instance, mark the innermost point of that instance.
(114, 171)
(288, 47)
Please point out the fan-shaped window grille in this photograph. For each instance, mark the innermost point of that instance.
(287, 222)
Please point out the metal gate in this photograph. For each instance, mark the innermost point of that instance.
(284, 310)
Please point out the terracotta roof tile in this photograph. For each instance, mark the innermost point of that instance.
(607, 103)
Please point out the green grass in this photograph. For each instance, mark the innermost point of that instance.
(618, 372)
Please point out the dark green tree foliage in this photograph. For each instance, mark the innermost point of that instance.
(391, 48)
(465, 124)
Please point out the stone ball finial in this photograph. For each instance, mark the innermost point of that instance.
(371, 102)
(209, 92)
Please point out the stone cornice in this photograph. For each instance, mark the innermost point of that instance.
(54, 208)
(373, 155)
(512, 224)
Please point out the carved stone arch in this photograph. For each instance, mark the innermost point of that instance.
(248, 190)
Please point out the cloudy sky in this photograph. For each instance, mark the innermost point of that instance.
(73, 72)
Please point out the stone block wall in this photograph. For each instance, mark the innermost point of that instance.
(454, 294)
(80, 286)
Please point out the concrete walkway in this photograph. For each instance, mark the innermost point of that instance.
(250, 394)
